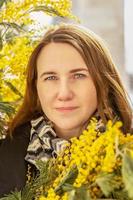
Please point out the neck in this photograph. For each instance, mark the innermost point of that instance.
(69, 133)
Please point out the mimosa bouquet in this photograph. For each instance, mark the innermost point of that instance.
(97, 165)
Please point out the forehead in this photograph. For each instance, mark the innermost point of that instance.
(58, 56)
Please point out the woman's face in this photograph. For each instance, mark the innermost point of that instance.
(65, 88)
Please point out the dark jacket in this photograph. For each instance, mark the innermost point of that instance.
(13, 167)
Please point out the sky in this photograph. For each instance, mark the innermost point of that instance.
(41, 18)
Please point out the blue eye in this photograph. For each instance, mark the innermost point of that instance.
(50, 78)
(79, 76)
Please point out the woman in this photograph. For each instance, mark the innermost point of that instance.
(70, 78)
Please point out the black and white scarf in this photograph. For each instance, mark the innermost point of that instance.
(44, 142)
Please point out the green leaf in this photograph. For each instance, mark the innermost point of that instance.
(107, 183)
(1, 42)
(127, 173)
(12, 25)
(79, 194)
(71, 195)
(47, 174)
(10, 35)
(68, 179)
(7, 108)
(120, 194)
(13, 88)
(13, 196)
(82, 193)
(71, 176)
(2, 2)
(68, 187)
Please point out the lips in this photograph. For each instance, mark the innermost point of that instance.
(66, 109)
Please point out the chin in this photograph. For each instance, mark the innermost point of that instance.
(67, 125)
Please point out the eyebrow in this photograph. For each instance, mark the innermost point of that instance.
(71, 71)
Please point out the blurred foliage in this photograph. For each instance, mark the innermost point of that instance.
(17, 40)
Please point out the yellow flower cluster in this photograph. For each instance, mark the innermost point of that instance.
(93, 153)
(62, 7)
(15, 13)
(14, 61)
(53, 196)
(18, 12)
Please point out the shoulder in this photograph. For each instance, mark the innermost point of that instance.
(13, 166)
(22, 130)
(18, 142)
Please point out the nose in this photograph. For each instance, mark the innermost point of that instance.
(65, 92)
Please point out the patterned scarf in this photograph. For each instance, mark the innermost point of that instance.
(44, 143)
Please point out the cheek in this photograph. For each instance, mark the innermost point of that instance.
(45, 97)
(41, 94)
(90, 95)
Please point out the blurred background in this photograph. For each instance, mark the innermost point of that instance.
(112, 20)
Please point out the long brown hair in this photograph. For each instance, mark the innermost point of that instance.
(112, 97)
